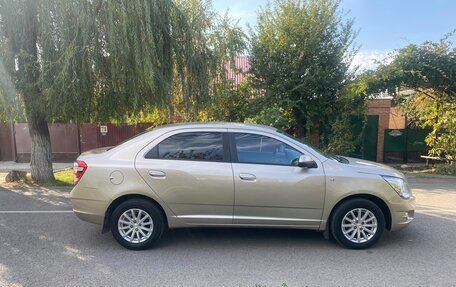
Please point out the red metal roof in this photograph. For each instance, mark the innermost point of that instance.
(242, 64)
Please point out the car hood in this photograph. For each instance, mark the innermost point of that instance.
(365, 166)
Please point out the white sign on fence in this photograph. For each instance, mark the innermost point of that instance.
(103, 130)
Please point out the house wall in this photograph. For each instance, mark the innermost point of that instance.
(389, 117)
(397, 118)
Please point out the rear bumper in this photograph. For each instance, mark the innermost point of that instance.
(89, 210)
(89, 204)
(402, 214)
(89, 217)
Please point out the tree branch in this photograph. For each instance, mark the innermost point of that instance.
(426, 93)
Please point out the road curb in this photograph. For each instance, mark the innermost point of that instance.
(427, 175)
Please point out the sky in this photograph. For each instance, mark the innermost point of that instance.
(383, 25)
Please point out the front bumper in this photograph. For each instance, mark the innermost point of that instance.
(402, 213)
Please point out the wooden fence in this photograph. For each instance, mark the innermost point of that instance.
(67, 140)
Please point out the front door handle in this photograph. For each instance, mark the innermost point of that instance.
(157, 174)
(247, 176)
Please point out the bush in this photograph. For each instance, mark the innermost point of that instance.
(273, 116)
(341, 141)
(446, 169)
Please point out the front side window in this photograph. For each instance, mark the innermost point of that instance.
(259, 149)
(204, 146)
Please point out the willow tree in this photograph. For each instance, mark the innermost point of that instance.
(21, 33)
(96, 60)
(216, 40)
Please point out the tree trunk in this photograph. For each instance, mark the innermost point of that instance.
(300, 122)
(41, 156)
(34, 103)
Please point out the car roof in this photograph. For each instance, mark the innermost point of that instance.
(145, 136)
(217, 125)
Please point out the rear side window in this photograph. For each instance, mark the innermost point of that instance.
(203, 146)
(259, 149)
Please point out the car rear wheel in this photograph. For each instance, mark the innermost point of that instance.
(137, 224)
(357, 224)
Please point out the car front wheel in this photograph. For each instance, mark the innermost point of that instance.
(137, 224)
(357, 224)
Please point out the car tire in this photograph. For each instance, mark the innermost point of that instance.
(357, 223)
(137, 224)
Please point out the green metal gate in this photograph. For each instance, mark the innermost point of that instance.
(404, 145)
(367, 147)
(370, 138)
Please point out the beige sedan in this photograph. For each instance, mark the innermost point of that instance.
(235, 175)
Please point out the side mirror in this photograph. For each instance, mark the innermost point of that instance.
(307, 162)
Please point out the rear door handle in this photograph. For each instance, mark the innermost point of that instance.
(247, 176)
(157, 174)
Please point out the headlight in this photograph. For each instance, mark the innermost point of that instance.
(399, 185)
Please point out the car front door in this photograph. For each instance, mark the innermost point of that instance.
(191, 172)
(270, 189)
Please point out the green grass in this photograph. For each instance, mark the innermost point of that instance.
(64, 177)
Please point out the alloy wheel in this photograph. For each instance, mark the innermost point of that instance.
(359, 225)
(135, 225)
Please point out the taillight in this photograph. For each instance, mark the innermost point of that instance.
(79, 167)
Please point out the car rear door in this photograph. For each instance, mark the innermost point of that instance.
(190, 170)
(270, 189)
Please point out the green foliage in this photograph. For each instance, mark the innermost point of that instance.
(230, 104)
(342, 140)
(158, 116)
(102, 60)
(439, 117)
(10, 103)
(423, 78)
(218, 39)
(446, 169)
(114, 60)
(301, 52)
(350, 106)
(422, 68)
(273, 116)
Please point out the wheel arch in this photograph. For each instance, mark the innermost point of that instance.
(124, 198)
(375, 199)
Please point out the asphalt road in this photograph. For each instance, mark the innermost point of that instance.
(57, 249)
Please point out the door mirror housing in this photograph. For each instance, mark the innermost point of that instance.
(306, 161)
